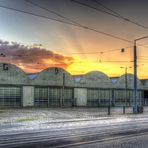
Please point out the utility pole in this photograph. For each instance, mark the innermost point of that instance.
(126, 86)
(125, 101)
(135, 109)
(63, 89)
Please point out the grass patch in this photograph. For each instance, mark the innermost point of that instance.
(6, 122)
(25, 119)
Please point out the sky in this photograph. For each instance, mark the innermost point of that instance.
(35, 41)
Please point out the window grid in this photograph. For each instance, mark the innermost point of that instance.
(10, 96)
(53, 97)
(123, 97)
(98, 97)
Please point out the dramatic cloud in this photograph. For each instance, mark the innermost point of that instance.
(32, 59)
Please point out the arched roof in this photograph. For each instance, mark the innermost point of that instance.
(121, 83)
(11, 74)
(96, 79)
(54, 76)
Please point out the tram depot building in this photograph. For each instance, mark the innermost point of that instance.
(55, 87)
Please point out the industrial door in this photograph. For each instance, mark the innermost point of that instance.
(10, 97)
(98, 97)
(53, 97)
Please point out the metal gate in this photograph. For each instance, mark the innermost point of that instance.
(98, 97)
(10, 97)
(125, 97)
(53, 97)
(40, 97)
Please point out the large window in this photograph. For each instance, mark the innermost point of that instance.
(139, 97)
(68, 97)
(93, 97)
(120, 97)
(41, 97)
(125, 97)
(105, 97)
(98, 97)
(10, 96)
(53, 97)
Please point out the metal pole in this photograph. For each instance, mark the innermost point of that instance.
(126, 86)
(109, 112)
(63, 89)
(135, 79)
(135, 75)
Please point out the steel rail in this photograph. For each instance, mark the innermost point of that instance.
(45, 138)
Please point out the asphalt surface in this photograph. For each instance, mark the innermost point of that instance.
(131, 133)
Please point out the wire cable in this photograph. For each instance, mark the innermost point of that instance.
(33, 14)
(51, 11)
(99, 52)
(106, 7)
(73, 23)
(115, 15)
(69, 23)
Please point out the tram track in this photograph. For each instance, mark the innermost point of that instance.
(78, 139)
(47, 138)
(105, 140)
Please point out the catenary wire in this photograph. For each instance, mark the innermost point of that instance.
(115, 15)
(69, 23)
(100, 52)
(106, 7)
(51, 11)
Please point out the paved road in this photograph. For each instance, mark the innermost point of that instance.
(131, 133)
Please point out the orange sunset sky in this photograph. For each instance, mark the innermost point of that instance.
(34, 43)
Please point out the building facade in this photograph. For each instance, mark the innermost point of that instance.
(55, 87)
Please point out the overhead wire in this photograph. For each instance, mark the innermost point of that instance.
(37, 15)
(107, 8)
(51, 11)
(80, 25)
(69, 23)
(98, 52)
(92, 7)
(74, 24)
(106, 12)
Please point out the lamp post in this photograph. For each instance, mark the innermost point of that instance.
(125, 101)
(135, 111)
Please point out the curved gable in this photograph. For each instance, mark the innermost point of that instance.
(130, 82)
(11, 74)
(96, 79)
(54, 76)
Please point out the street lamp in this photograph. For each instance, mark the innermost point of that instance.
(125, 101)
(135, 111)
